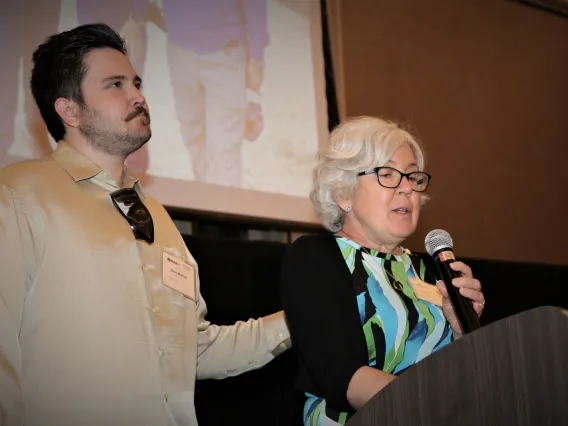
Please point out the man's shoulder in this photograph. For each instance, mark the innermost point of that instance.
(153, 204)
(158, 211)
(27, 173)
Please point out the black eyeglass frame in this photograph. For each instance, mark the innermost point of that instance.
(144, 231)
(402, 175)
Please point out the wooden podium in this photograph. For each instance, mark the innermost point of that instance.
(511, 372)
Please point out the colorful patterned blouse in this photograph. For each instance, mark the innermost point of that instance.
(399, 329)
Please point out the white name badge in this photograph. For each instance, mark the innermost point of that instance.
(178, 275)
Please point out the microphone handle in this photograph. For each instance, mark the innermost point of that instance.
(463, 307)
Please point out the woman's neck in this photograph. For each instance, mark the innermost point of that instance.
(366, 242)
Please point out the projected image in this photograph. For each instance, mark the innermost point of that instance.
(231, 86)
(23, 25)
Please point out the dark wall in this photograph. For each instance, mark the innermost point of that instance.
(484, 84)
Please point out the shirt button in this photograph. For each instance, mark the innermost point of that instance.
(251, 362)
(161, 352)
(144, 268)
(156, 309)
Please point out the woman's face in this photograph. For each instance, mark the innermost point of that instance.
(385, 216)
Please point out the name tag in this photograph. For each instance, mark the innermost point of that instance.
(179, 275)
(425, 291)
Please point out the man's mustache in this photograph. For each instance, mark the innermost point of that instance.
(138, 111)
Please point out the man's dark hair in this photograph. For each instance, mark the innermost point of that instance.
(59, 68)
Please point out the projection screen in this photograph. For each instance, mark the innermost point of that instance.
(236, 92)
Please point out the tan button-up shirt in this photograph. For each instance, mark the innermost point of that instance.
(89, 333)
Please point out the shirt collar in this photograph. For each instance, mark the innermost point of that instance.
(76, 164)
(81, 168)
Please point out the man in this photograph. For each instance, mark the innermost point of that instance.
(216, 54)
(101, 319)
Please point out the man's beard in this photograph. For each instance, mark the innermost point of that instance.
(113, 142)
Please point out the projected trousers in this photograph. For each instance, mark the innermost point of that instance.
(211, 101)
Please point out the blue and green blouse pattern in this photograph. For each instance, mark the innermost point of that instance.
(399, 328)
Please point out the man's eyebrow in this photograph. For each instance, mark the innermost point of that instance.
(137, 79)
(114, 78)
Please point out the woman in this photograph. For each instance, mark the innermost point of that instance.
(355, 319)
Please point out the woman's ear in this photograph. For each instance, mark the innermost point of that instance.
(343, 202)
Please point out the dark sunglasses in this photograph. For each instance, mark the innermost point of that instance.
(128, 203)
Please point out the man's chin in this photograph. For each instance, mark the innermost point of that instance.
(144, 140)
(144, 135)
(141, 140)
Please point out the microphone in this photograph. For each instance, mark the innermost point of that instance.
(440, 246)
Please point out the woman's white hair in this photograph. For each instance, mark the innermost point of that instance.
(358, 144)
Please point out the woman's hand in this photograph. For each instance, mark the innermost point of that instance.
(468, 287)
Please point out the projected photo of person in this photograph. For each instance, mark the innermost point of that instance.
(23, 25)
(215, 54)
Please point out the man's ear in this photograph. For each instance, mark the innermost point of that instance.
(69, 111)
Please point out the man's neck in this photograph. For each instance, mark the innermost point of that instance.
(111, 163)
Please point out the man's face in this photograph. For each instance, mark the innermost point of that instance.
(115, 118)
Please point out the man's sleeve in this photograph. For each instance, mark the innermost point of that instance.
(256, 27)
(224, 351)
(16, 251)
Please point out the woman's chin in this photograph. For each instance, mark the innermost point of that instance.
(404, 231)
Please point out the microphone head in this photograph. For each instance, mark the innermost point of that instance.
(438, 239)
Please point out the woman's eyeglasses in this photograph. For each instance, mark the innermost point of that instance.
(389, 177)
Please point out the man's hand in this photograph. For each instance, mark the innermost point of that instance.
(255, 74)
(254, 122)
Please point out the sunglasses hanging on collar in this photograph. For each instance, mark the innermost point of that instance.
(128, 203)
